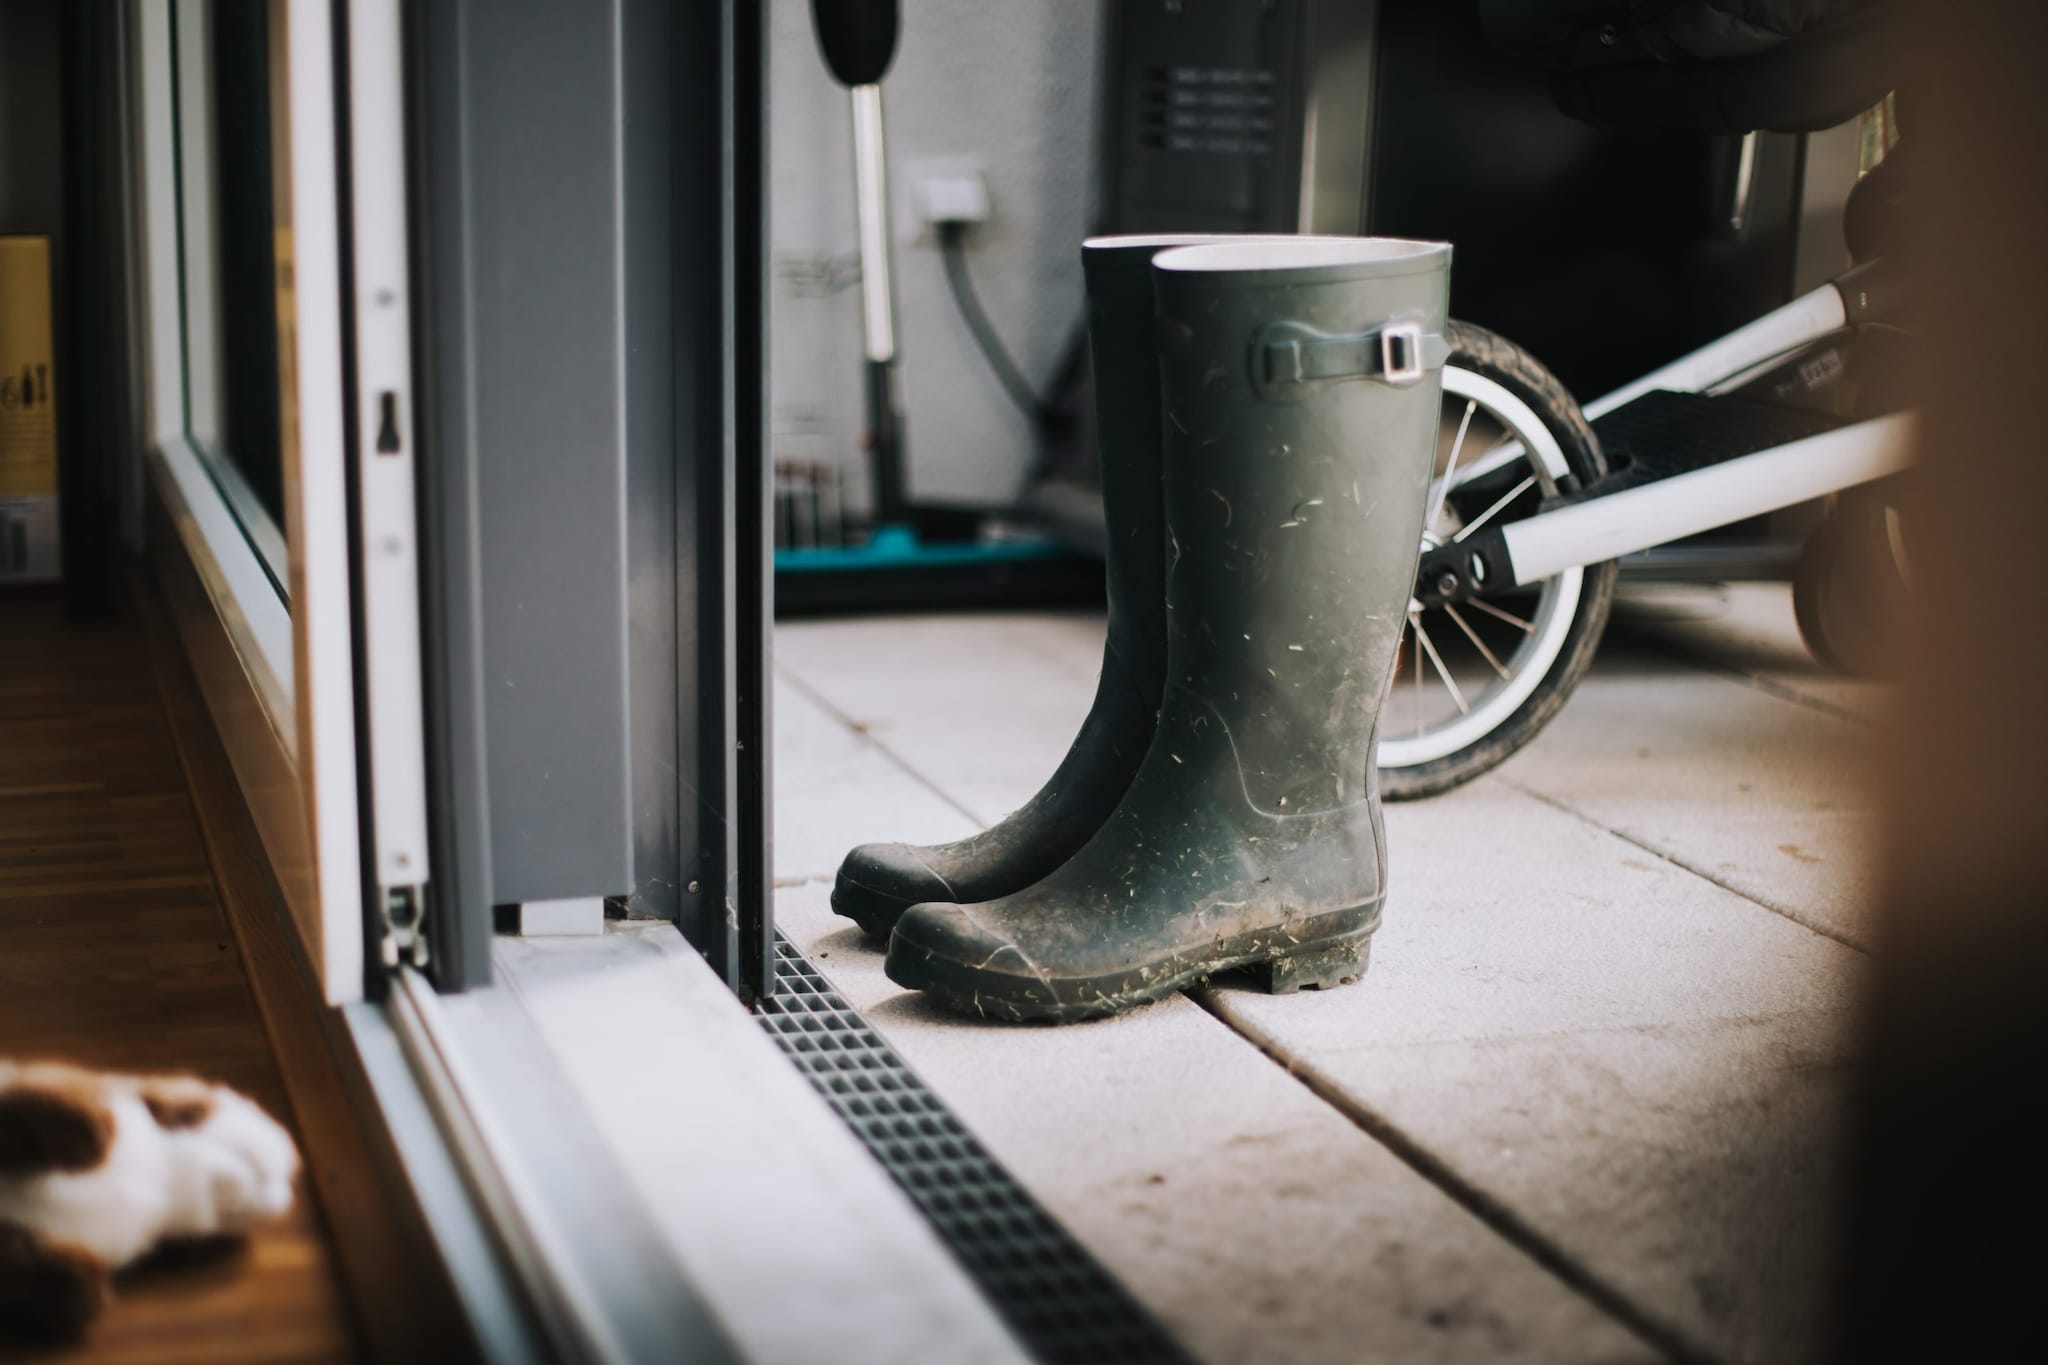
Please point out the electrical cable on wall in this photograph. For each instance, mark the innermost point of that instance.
(1052, 416)
(952, 237)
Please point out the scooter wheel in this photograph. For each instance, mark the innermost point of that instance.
(1849, 591)
(1476, 681)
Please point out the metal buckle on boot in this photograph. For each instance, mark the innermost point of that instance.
(1401, 360)
(1288, 359)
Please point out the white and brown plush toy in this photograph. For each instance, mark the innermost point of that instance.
(98, 1170)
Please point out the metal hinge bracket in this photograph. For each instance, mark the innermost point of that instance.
(402, 916)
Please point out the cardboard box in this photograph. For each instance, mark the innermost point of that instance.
(29, 548)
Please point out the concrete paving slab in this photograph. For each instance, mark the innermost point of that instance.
(1634, 1066)
(1254, 1219)
(1640, 1070)
(983, 704)
(1750, 629)
(1765, 795)
(835, 788)
(1740, 784)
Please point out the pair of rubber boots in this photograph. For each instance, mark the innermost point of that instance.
(1267, 411)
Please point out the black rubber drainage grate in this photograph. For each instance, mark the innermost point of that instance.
(1057, 1298)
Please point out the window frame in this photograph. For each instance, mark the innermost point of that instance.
(294, 752)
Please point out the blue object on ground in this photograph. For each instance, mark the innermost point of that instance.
(897, 546)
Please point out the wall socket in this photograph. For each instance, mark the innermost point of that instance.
(945, 189)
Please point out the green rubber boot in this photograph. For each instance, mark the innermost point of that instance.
(1302, 385)
(878, 882)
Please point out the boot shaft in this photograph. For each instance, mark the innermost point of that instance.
(1295, 483)
(1123, 350)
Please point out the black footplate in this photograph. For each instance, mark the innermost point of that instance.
(1663, 434)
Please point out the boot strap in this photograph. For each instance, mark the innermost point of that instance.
(1286, 355)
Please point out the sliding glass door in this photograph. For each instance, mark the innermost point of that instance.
(455, 422)
(589, 244)
(243, 239)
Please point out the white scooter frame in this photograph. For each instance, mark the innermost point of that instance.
(1605, 526)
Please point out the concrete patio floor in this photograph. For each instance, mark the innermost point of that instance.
(1584, 1108)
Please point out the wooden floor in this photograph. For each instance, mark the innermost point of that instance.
(114, 952)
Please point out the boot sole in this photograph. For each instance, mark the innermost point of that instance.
(1335, 957)
(876, 912)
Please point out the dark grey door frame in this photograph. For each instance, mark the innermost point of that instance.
(589, 267)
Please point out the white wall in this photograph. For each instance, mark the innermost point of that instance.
(1012, 84)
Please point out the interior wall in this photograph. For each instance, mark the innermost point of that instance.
(31, 177)
(1010, 85)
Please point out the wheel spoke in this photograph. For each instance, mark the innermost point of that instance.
(1477, 643)
(1421, 712)
(1526, 627)
(1497, 445)
(1443, 485)
(1421, 635)
(1488, 514)
(1495, 458)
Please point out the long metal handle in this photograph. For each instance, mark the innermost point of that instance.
(871, 207)
(878, 323)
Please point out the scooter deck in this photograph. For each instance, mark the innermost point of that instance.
(1663, 434)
